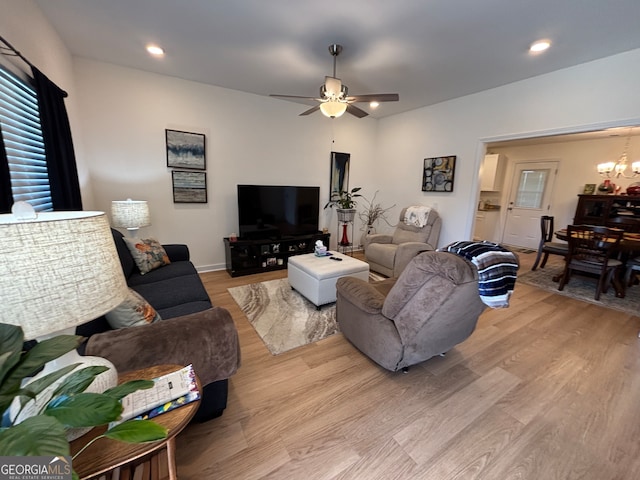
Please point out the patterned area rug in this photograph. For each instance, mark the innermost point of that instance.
(582, 288)
(282, 317)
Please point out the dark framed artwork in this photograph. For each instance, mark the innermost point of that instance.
(589, 188)
(185, 150)
(438, 174)
(339, 181)
(189, 187)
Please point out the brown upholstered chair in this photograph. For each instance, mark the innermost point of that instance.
(547, 246)
(390, 254)
(591, 249)
(432, 306)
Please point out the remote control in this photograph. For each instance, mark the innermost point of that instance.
(336, 259)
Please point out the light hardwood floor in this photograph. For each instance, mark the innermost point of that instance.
(546, 389)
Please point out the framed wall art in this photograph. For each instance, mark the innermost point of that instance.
(185, 150)
(339, 181)
(438, 174)
(189, 187)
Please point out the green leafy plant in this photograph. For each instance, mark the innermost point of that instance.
(344, 199)
(69, 406)
(373, 212)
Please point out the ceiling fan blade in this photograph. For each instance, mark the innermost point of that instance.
(374, 97)
(310, 111)
(355, 111)
(294, 96)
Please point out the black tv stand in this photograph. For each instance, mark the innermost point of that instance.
(249, 256)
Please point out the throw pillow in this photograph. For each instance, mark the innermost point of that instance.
(147, 253)
(133, 311)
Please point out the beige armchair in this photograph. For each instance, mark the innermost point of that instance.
(433, 306)
(390, 254)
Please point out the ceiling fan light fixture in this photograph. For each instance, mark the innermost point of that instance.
(333, 108)
(374, 104)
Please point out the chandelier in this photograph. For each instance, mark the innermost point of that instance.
(617, 169)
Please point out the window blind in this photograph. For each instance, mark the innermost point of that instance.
(22, 135)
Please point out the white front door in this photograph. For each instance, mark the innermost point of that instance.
(529, 198)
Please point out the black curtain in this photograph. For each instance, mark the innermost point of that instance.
(6, 198)
(58, 145)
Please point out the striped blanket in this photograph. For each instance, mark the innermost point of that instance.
(497, 269)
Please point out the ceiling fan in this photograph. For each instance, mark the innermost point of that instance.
(334, 97)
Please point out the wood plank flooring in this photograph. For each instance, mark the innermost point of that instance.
(546, 389)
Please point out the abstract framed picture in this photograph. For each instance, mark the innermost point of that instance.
(438, 174)
(185, 150)
(189, 187)
(339, 181)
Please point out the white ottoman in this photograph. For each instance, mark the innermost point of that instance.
(315, 277)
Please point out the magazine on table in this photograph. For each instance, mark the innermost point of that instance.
(170, 391)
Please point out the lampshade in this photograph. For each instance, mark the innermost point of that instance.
(130, 214)
(57, 271)
(333, 108)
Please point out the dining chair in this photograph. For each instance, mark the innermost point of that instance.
(546, 246)
(591, 249)
(633, 265)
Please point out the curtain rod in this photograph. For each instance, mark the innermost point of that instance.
(13, 52)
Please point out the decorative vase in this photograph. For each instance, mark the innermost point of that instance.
(606, 187)
(369, 230)
(345, 238)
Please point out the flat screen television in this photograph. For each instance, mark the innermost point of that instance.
(276, 211)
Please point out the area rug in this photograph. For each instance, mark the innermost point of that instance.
(282, 317)
(582, 288)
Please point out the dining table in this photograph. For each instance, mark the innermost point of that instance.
(630, 241)
(629, 246)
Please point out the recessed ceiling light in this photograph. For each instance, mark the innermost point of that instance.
(155, 50)
(539, 46)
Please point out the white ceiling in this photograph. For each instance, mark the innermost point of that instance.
(427, 51)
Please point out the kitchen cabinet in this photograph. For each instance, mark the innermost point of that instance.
(492, 172)
(486, 225)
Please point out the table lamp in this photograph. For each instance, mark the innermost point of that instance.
(58, 270)
(130, 214)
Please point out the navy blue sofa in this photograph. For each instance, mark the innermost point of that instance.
(192, 330)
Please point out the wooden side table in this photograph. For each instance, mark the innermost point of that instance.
(106, 455)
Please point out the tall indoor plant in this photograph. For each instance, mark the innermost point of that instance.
(44, 433)
(372, 213)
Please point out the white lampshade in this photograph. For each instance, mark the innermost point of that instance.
(57, 271)
(333, 108)
(130, 214)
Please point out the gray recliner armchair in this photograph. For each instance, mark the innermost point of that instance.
(433, 306)
(390, 254)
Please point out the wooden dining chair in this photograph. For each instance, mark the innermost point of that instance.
(633, 265)
(546, 246)
(591, 249)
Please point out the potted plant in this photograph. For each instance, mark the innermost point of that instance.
(69, 406)
(372, 213)
(344, 203)
(370, 216)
